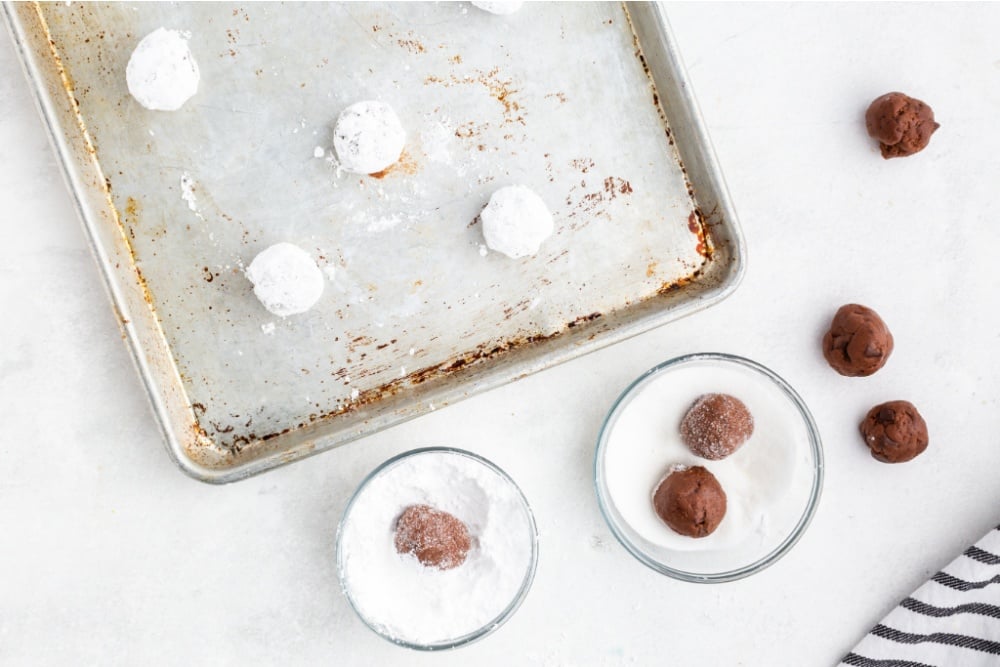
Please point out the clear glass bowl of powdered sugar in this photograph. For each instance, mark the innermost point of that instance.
(772, 482)
(421, 606)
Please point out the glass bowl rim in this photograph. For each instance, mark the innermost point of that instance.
(815, 445)
(496, 622)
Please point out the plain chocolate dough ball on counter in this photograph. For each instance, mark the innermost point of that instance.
(894, 432)
(858, 342)
(716, 426)
(901, 124)
(438, 539)
(690, 500)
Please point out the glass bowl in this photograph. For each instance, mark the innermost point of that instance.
(785, 441)
(492, 624)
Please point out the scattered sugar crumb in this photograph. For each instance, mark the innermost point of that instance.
(187, 191)
(354, 394)
(188, 185)
(268, 328)
(483, 250)
(412, 351)
(318, 152)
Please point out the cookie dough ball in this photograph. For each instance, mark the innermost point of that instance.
(436, 538)
(516, 221)
(285, 279)
(498, 7)
(691, 501)
(901, 124)
(894, 432)
(716, 426)
(368, 137)
(162, 74)
(858, 342)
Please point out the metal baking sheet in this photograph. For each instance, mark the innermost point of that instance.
(586, 103)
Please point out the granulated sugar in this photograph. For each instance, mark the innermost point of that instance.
(409, 601)
(646, 443)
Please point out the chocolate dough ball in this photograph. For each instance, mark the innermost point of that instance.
(716, 426)
(858, 342)
(691, 501)
(436, 538)
(901, 124)
(894, 432)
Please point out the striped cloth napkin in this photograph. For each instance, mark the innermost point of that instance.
(952, 620)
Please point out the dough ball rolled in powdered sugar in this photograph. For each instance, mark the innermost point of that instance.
(162, 73)
(285, 279)
(499, 7)
(368, 137)
(516, 221)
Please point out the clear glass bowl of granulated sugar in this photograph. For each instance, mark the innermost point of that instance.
(462, 576)
(771, 482)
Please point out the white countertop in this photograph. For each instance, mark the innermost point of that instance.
(110, 555)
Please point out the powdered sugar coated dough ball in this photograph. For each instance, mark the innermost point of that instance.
(368, 137)
(516, 221)
(498, 7)
(162, 74)
(285, 279)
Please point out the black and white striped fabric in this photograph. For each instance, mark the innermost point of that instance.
(952, 620)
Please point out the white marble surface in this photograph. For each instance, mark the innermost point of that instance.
(109, 555)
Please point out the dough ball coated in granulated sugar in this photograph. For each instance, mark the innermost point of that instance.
(368, 137)
(516, 221)
(716, 426)
(436, 538)
(285, 279)
(161, 73)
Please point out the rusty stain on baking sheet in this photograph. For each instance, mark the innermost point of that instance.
(696, 224)
(90, 147)
(406, 164)
(104, 183)
(637, 47)
(411, 45)
(499, 89)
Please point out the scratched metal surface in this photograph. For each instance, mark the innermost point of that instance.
(556, 97)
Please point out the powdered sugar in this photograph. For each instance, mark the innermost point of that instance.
(161, 73)
(188, 186)
(408, 601)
